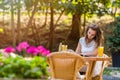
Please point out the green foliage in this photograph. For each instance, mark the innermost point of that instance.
(28, 4)
(20, 68)
(116, 3)
(113, 41)
(3, 5)
(1, 58)
(109, 70)
(99, 7)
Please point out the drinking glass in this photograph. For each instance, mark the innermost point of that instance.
(64, 47)
(100, 51)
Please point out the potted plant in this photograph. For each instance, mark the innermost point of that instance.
(113, 42)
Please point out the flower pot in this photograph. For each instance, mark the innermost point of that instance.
(116, 59)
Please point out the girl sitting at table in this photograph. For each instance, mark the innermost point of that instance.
(88, 45)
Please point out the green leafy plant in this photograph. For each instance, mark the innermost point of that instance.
(113, 41)
(18, 67)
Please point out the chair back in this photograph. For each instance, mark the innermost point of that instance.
(65, 65)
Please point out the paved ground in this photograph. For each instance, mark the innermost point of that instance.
(106, 77)
(111, 73)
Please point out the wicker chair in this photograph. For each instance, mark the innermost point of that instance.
(65, 65)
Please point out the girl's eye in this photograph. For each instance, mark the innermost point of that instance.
(89, 32)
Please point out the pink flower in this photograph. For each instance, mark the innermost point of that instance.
(40, 47)
(43, 51)
(47, 52)
(32, 50)
(22, 46)
(9, 49)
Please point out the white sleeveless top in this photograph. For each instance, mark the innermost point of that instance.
(89, 48)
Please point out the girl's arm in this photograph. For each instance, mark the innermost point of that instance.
(78, 49)
(93, 53)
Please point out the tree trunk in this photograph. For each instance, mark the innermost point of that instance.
(4, 27)
(51, 34)
(76, 29)
(3, 18)
(12, 26)
(31, 17)
(18, 23)
(115, 12)
(59, 18)
(4, 22)
(83, 30)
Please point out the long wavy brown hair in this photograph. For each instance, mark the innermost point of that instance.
(98, 37)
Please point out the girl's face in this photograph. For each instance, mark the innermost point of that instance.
(91, 34)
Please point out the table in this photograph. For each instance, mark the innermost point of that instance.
(91, 65)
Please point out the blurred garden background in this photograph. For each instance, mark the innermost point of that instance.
(46, 23)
